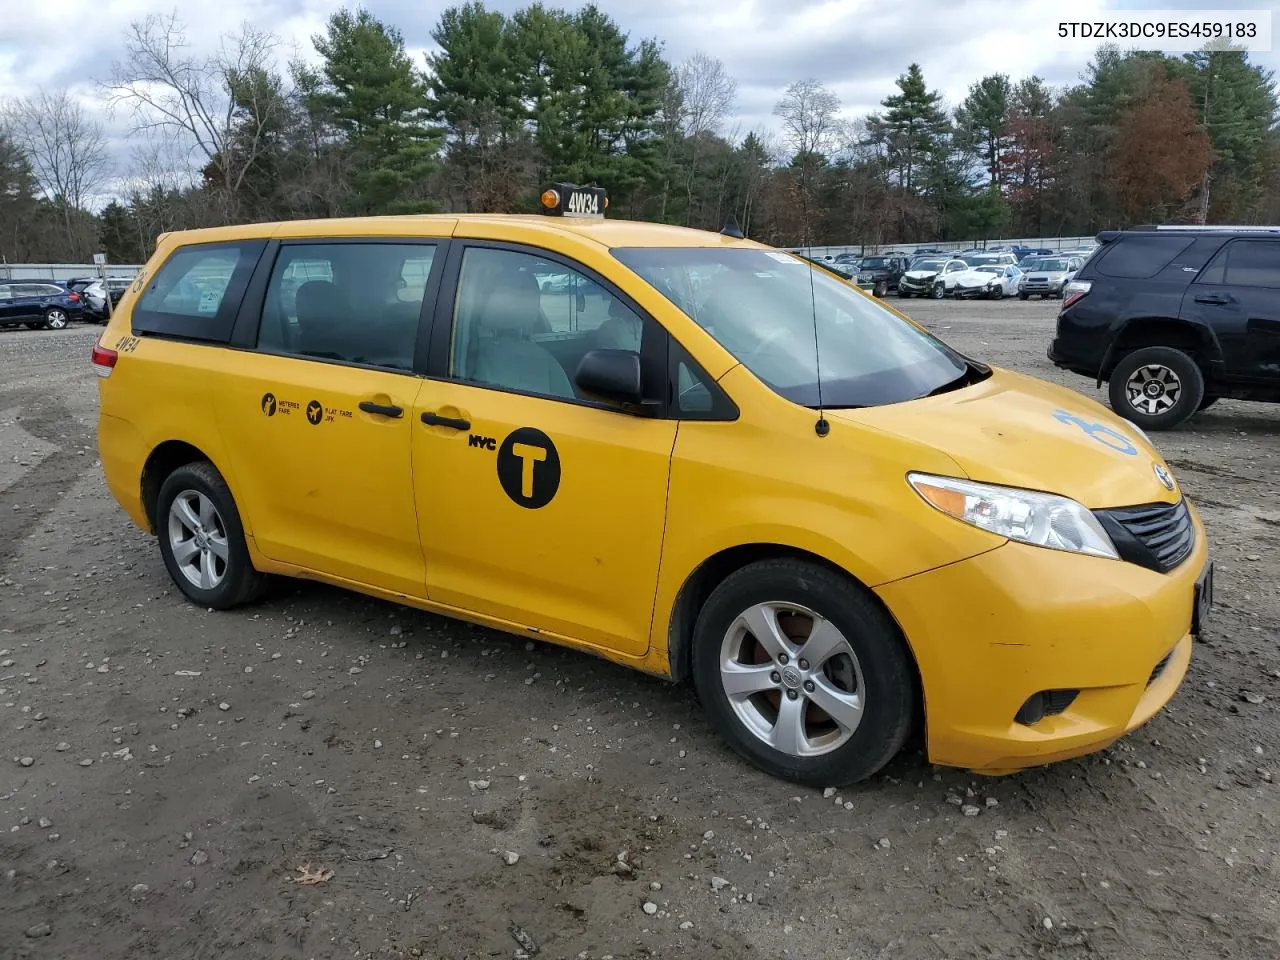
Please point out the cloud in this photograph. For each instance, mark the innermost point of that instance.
(856, 47)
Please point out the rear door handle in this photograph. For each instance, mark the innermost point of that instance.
(382, 409)
(1214, 298)
(454, 423)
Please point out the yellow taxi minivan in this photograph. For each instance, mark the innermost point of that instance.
(684, 451)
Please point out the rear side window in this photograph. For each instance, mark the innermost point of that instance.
(196, 292)
(353, 302)
(1140, 257)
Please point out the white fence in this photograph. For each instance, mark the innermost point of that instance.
(63, 271)
(1047, 243)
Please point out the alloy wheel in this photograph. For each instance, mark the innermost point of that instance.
(1153, 389)
(198, 539)
(792, 679)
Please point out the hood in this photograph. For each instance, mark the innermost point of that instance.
(1051, 274)
(1021, 432)
(920, 274)
(972, 278)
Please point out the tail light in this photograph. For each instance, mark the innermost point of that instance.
(1075, 290)
(73, 297)
(104, 360)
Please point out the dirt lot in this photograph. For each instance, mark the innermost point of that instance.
(166, 769)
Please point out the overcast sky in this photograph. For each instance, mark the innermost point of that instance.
(855, 47)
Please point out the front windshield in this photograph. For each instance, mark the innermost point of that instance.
(1043, 264)
(932, 265)
(764, 306)
(875, 263)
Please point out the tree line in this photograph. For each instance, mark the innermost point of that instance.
(509, 102)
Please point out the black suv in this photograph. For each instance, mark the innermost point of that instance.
(1175, 318)
(880, 274)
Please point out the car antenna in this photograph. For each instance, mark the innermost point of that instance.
(822, 427)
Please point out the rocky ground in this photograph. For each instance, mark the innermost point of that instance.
(168, 773)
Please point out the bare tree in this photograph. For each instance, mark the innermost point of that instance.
(705, 94)
(212, 101)
(67, 150)
(708, 93)
(808, 113)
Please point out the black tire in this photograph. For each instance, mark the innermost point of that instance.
(1023, 296)
(240, 583)
(880, 290)
(938, 292)
(1190, 379)
(1207, 401)
(55, 318)
(888, 673)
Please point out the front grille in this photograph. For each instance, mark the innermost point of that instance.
(1158, 536)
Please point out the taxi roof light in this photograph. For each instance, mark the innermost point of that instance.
(574, 200)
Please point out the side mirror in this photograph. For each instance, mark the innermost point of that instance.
(612, 375)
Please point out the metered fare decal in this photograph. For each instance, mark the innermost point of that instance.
(315, 411)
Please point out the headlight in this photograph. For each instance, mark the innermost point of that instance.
(1028, 516)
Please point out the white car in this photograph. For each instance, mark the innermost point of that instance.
(990, 259)
(992, 281)
(931, 277)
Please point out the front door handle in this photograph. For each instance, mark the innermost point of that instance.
(453, 423)
(382, 409)
(1217, 299)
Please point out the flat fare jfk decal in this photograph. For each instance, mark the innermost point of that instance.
(315, 412)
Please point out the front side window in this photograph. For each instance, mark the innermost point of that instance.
(763, 306)
(357, 303)
(1254, 263)
(523, 322)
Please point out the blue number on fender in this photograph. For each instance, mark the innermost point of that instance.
(1114, 439)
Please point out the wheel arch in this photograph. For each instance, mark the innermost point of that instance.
(1134, 333)
(162, 461)
(709, 574)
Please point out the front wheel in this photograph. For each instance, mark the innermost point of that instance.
(904, 294)
(880, 290)
(938, 292)
(1156, 387)
(804, 673)
(202, 539)
(55, 319)
(1024, 296)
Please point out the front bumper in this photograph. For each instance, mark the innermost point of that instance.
(982, 291)
(990, 632)
(1038, 288)
(916, 286)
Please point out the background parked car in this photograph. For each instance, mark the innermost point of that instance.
(38, 304)
(1047, 276)
(1174, 319)
(931, 278)
(94, 293)
(991, 281)
(880, 274)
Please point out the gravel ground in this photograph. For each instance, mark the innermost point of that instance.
(167, 770)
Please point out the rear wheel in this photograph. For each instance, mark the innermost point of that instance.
(55, 318)
(202, 539)
(804, 673)
(1156, 387)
